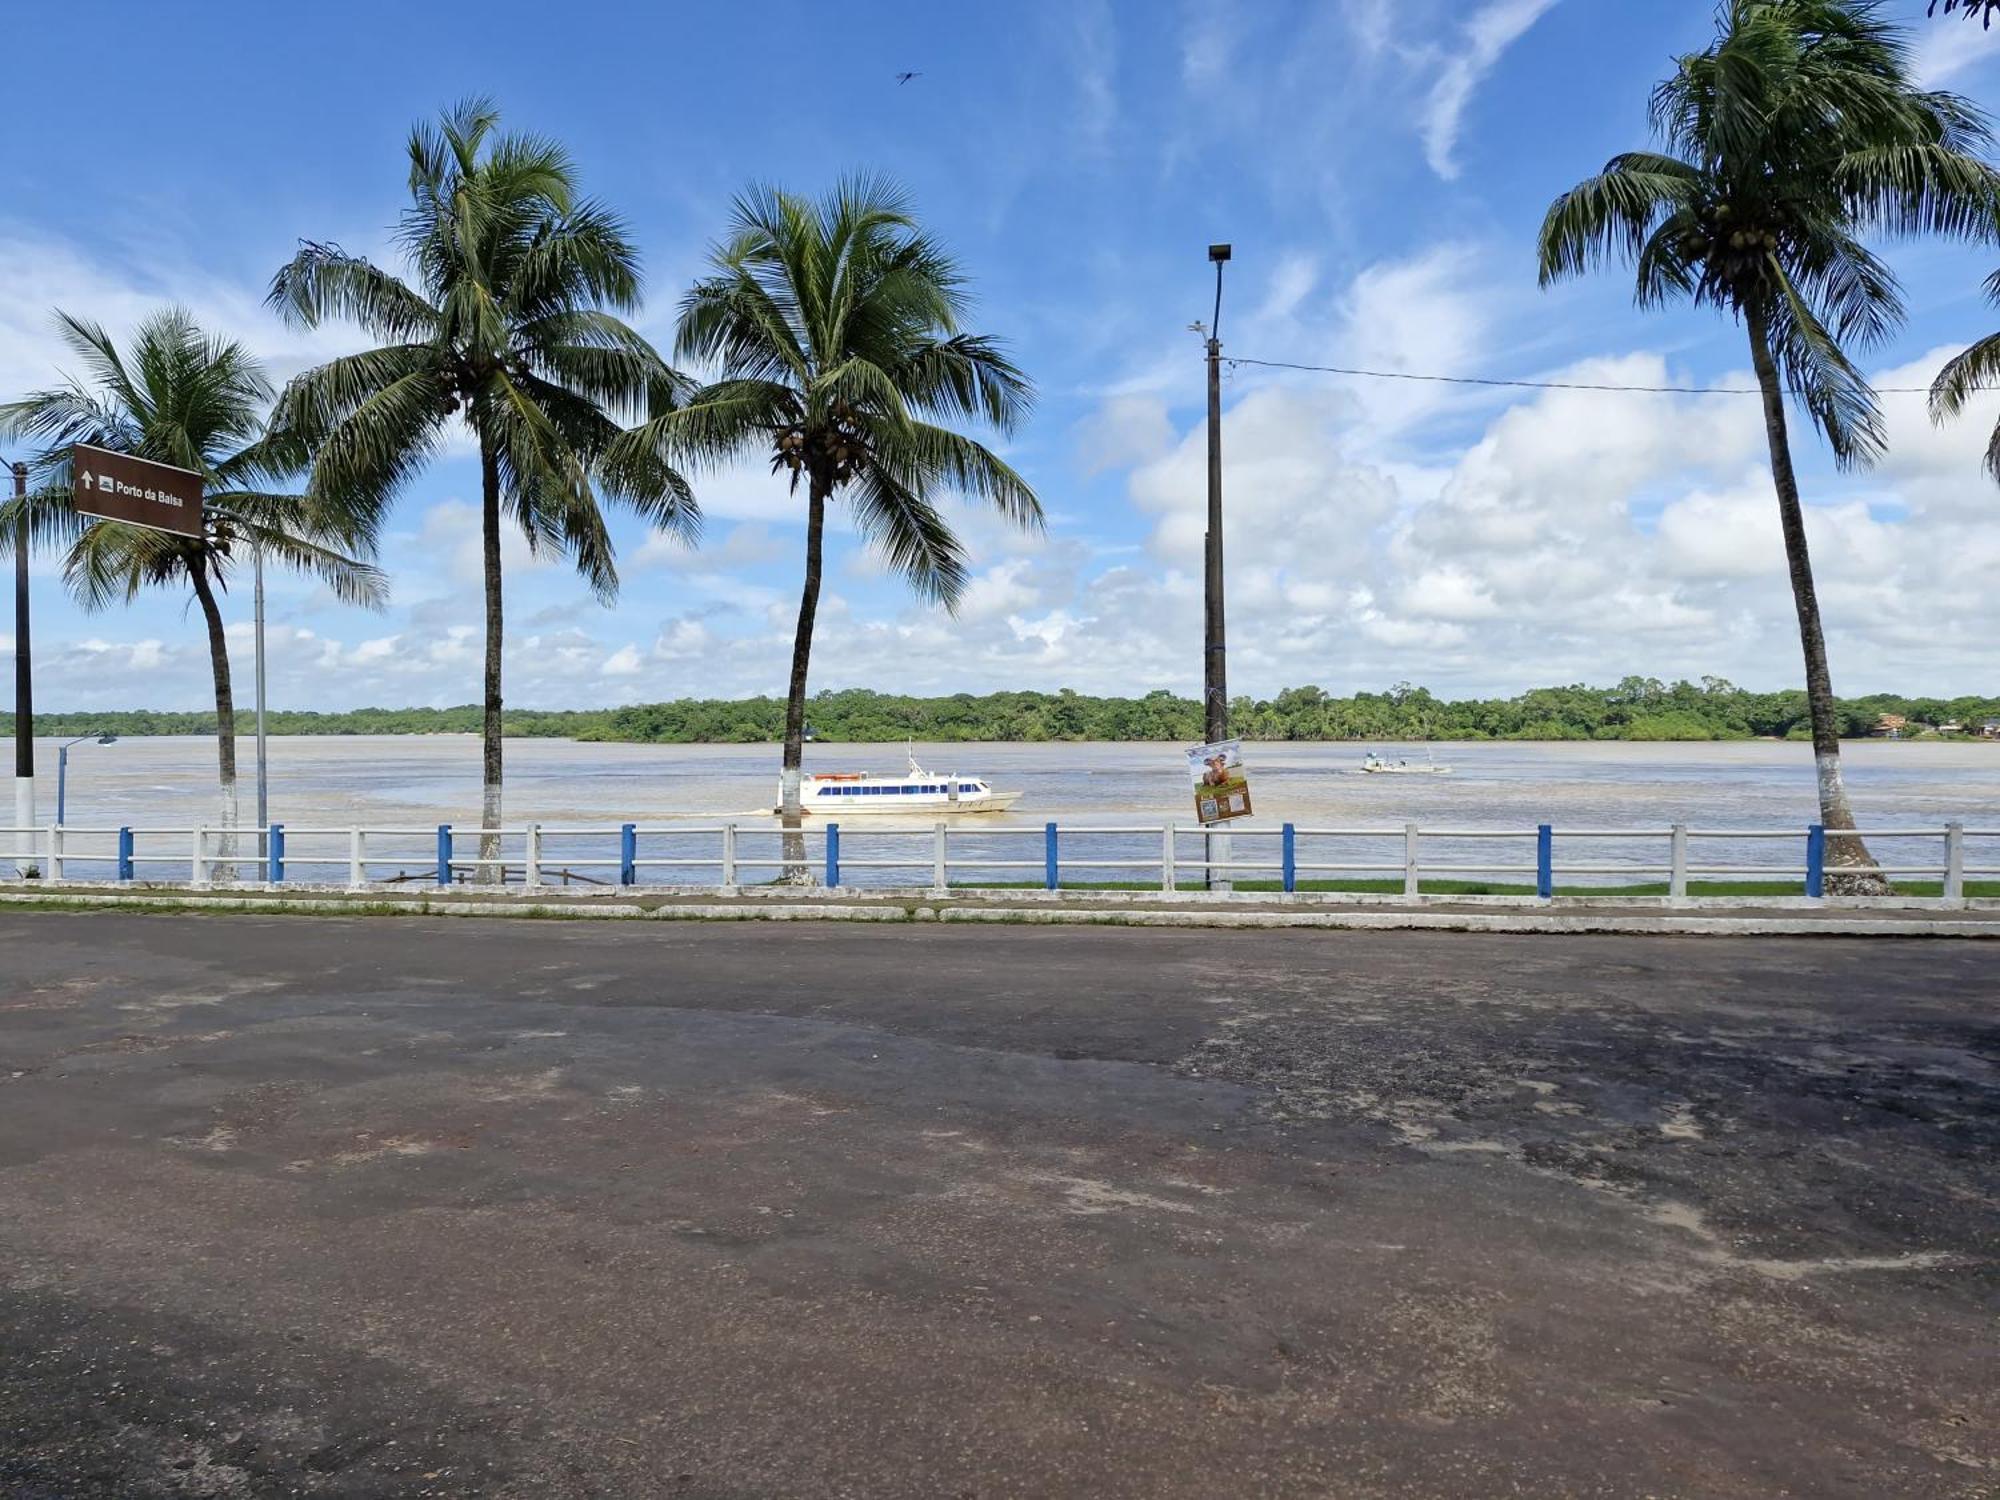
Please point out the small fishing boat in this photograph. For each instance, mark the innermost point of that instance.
(1373, 764)
(916, 793)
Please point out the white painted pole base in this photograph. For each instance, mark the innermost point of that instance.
(24, 823)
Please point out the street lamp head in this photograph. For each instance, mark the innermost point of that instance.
(1218, 253)
(107, 739)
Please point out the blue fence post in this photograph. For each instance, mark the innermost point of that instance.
(832, 854)
(1545, 861)
(1051, 865)
(1816, 860)
(1291, 858)
(444, 854)
(124, 854)
(628, 854)
(274, 870)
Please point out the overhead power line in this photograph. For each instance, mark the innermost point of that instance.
(1545, 385)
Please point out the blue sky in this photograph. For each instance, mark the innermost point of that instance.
(1380, 168)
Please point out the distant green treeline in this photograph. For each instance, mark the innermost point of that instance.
(1638, 708)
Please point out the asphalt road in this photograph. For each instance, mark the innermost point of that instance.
(292, 1206)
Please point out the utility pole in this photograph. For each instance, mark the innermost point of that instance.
(1215, 660)
(24, 691)
(263, 776)
(1215, 664)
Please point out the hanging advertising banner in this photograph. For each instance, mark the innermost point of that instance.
(137, 491)
(1221, 789)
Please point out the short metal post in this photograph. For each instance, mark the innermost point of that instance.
(198, 874)
(729, 856)
(1816, 861)
(124, 854)
(832, 855)
(1411, 887)
(274, 869)
(357, 860)
(1954, 861)
(1167, 860)
(55, 851)
(940, 864)
(444, 854)
(1545, 861)
(1051, 874)
(1677, 874)
(531, 858)
(628, 854)
(1290, 858)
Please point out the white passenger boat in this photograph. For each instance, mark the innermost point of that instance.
(1376, 765)
(917, 793)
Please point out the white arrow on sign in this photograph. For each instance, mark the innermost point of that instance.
(89, 482)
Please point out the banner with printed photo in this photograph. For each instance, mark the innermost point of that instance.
(1221, 789)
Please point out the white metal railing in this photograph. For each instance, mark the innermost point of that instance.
(1160, 856)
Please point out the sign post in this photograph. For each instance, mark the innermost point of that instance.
(137, 491)
(24, 692)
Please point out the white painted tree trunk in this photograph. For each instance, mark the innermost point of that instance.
(489, 835)
(225, 844)
(796, 871)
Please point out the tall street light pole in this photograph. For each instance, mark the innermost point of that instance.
(1215, 665)
(24, 691)
(263, 773)
(1214, 656)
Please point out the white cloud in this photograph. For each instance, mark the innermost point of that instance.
(1122, 430)
(450, 531)
(1945, 51)
(1487, 35)
(748, 545)
(40, 273)
(1729, 533)
(999, 591)
(624, 662)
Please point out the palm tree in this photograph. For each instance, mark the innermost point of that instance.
(1974, 369)
(1796, 132)
(1985, 10)
(833, 330)
(181, 397)
(507, 321)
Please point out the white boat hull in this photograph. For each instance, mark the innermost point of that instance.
(906, 807)
(917, 795)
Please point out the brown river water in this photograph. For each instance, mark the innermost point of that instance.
(417, 782)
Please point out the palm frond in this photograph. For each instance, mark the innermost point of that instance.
(915, 541)
(1975, 369)
(1816, 369)
(323, 282)
(1614, 213)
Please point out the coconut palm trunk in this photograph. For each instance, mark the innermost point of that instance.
(1851, 854)
(491, 752)
(225, 716)
(795, 693)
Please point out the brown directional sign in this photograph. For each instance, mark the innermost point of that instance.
(137, 491)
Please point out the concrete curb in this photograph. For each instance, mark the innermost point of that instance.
(1705, 918)
(1678, 923)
